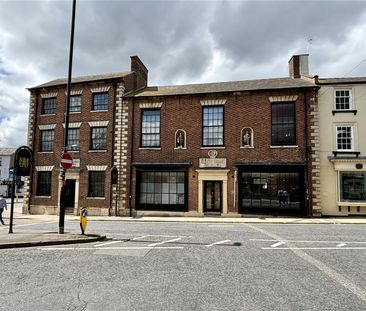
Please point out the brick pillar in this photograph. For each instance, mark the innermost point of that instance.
(27, 180)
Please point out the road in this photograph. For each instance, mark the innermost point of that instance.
(171, 266)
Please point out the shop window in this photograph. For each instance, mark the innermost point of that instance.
(162, 190)
(353, 186)
(213, 126)
(150, 128)
(96, 184)
(247, 137)
(283, 124)
(270, 190)
(44, 183)
(180, 139)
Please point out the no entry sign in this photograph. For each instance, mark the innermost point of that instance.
(66, 160)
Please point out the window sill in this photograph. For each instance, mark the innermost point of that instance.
(42, 197)
(45, 152)
(353, 203)
(101, 150)
(180, 148)
(212, 147)
(99, 110)
(280, 147)
(95, 198)
(346, 152)
(75, 112)
(149, 148)
(246, 147)
(344, 111)
(73, 151)
(47, 114)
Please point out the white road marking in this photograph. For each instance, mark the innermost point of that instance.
(106, 248)
(217, 243)
(140, 237)
(163, 242)
(277, 244)
(36, 223)
(333, 274)
(341, 244)
(295, 248)
(107, 243)
(294, 241)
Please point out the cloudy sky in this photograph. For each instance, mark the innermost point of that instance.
(179, 42)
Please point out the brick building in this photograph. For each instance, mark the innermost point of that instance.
(224, 148)
(97, 141)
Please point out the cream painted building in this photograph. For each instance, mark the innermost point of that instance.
(342, 145)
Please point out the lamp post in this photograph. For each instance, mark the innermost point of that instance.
(66, 132)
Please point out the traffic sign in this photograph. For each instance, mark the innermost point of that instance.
(66, 161)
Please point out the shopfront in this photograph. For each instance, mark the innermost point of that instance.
(271, 189)
(162, 187)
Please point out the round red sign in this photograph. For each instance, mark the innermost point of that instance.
(66, 160)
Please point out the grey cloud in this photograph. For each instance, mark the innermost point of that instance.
(257, 32)
(177, 40)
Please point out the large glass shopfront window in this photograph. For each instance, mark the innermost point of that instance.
(271, 190)
(353, 186)
(162, 190)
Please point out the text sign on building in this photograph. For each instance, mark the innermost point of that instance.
(212, 162)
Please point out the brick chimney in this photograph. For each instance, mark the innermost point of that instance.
(298, 65)
(140, 72)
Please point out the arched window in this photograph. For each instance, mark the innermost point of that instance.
(180, 139)
(247, 138)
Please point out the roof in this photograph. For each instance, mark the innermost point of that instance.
(233, 86)
(82, 79)
(7, 151)
(342, 80)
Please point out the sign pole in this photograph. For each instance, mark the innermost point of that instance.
(12, 203)
(22, 167)
(62, 171)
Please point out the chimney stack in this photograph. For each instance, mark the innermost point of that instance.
(298, 65)
(140, 71)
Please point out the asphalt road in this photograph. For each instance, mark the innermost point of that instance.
(170, 266)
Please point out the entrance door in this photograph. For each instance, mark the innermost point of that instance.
(212, 196)
(69, 196)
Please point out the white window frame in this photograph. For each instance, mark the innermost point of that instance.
(350, 99)
(352, 137)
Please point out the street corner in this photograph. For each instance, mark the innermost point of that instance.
(45, 239)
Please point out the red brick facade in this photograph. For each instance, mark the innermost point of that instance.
(241, 109)
(245, 105)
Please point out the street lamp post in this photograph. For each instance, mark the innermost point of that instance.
(66, 132)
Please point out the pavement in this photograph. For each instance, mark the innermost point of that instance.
(30, 239)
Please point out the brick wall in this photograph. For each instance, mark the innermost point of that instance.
(241, 109)
(85, 155)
